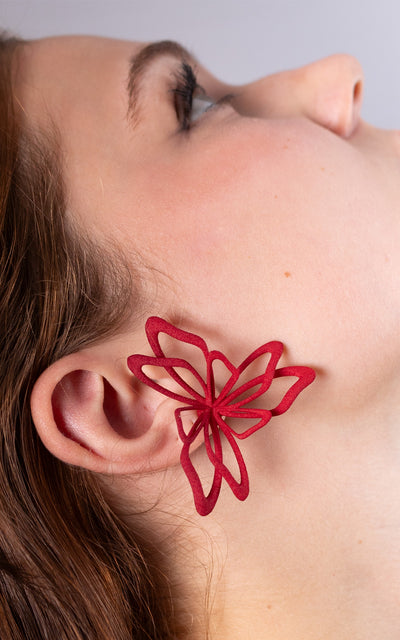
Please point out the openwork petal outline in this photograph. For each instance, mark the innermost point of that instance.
(212, 410)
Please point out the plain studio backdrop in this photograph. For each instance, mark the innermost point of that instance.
(241, 40)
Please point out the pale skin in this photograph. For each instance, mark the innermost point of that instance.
(275, 217)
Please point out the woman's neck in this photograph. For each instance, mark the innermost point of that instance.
(313, 552)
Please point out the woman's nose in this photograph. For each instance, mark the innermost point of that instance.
(329, 92)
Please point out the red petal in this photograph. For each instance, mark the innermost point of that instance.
(240, 489)
(204, 503)
(155, 326)
(263, 416)
(262, 381)
(137, 362)
(305, 377)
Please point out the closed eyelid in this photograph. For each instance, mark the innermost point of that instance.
(140, 65)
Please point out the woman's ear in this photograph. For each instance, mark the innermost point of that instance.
(90, 411)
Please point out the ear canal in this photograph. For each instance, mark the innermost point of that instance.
(117, 417)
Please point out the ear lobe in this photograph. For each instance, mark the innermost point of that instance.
(110, 424)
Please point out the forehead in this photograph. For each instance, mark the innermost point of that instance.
(57, 74)
(47, 54)
(77, 88)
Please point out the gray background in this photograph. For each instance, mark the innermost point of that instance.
(240, 40)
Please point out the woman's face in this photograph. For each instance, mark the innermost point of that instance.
(273, 214)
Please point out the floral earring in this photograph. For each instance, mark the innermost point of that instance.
(214, 409)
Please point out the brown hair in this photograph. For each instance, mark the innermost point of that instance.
(69, 567)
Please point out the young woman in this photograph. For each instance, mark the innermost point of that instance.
(135, 185)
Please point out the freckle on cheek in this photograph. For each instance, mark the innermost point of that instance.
(287, 274)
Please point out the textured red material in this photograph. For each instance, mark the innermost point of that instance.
(212, 410)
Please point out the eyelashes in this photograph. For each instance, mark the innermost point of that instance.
(190, 99)
(185, 87)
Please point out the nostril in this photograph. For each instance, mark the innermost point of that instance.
(357, 92)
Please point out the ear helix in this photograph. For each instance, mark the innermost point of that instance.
(99, 427)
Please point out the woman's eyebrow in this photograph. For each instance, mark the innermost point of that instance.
(140, 64)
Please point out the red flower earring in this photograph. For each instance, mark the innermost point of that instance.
(212, 410)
